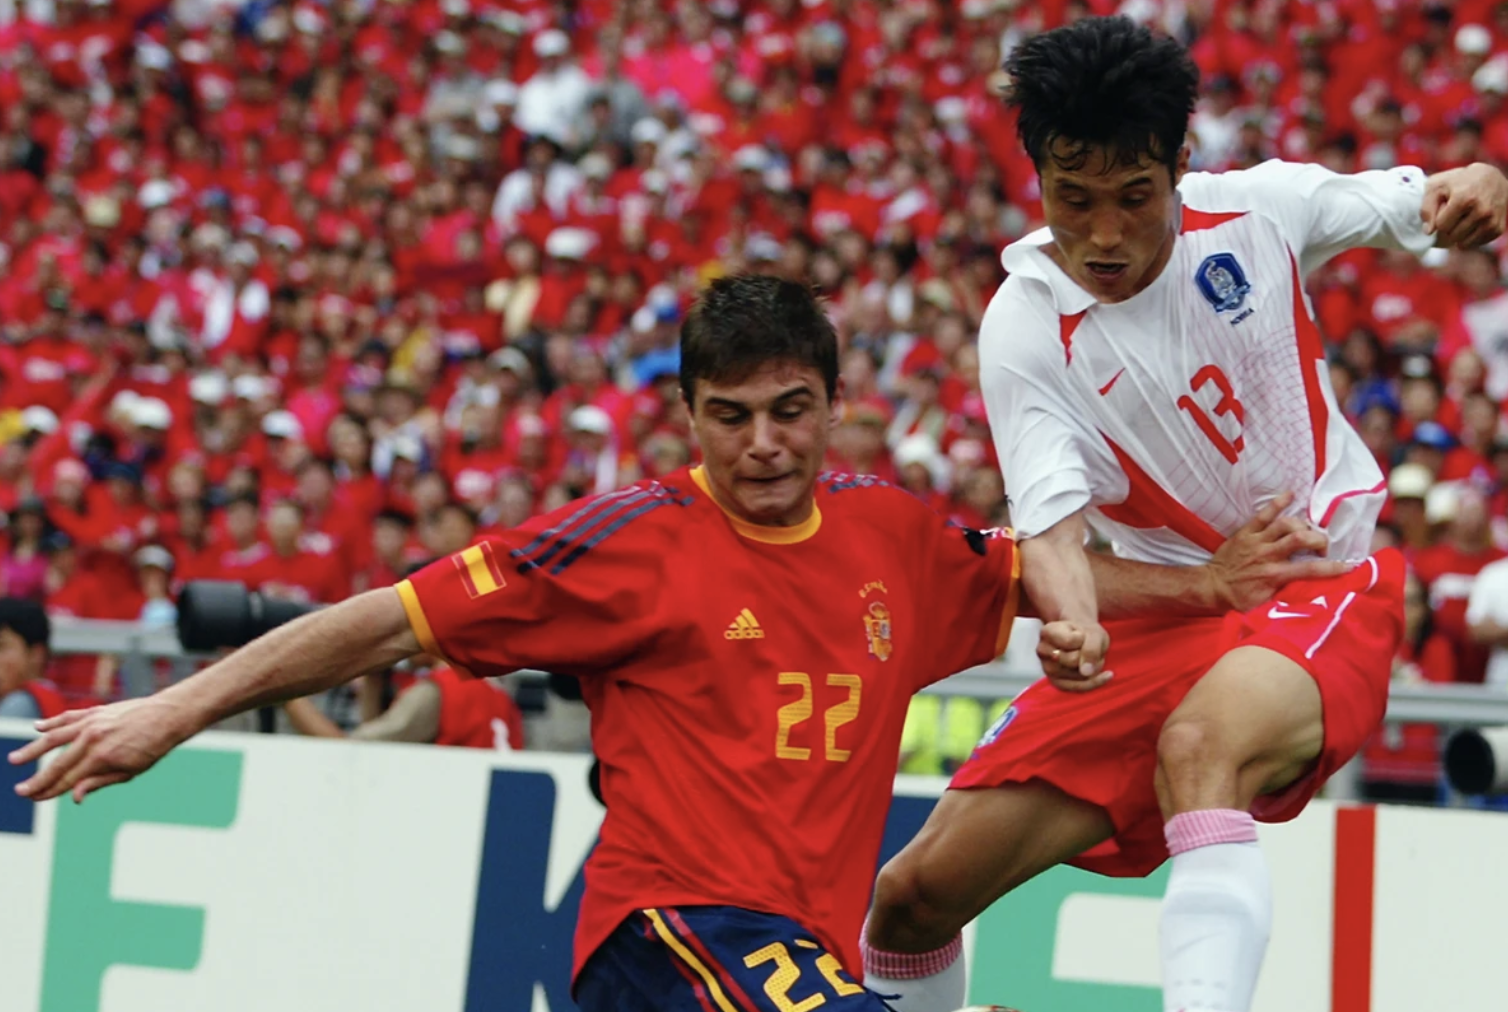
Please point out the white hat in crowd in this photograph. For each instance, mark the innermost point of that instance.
(152, 413)
(39, 418)
(590, 418)
(551, 42)
(283, 424)
(209, 388)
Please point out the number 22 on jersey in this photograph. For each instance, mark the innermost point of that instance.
(800, 710)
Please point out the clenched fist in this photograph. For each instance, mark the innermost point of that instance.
(1466, 207)
(1073, 654)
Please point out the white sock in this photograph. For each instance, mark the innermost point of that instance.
(921, 982)
(1216, 914)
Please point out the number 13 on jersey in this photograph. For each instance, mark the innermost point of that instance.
(797, 712)
(1228, 404)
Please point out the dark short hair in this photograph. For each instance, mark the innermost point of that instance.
(742, 322)
(26, 619)
(1104, 83)
(311, 463)
(393, 516)
(245, 499)
(456, 506)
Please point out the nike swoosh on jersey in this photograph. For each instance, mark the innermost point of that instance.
(1276, 613)
(1106, 388)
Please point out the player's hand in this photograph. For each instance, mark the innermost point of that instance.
(1073, 655)
(1257, 561)
(1466, 207)
(106, 745)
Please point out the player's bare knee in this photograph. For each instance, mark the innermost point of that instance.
(1190, 755)
(1185, 744)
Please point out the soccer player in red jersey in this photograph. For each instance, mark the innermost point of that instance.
(748, 635)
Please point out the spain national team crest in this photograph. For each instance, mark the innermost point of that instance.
(1222, 282)
(877, 628)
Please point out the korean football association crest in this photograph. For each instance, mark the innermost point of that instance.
(877, 628)
(1222, 282)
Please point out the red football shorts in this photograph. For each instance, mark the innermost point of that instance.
(1101, 746)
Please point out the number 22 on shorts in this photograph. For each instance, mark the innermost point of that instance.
(798, 711)
(786, 973)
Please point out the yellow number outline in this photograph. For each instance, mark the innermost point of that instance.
(779, 984)
(841, 714)
(791, 714)
(830, 967)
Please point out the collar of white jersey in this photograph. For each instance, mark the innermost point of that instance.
(1026, 258)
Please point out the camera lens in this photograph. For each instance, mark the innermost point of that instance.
(215, 614)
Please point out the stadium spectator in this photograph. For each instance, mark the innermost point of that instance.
(299, 565)
(1487, 619)
(1449, 568)
(438, 707)
(25, 634)
(23, 566)
(1402, 761)
(154, 575)
(1408, 487)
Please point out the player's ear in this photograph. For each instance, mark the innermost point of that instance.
(1183, 165)
(835, 404)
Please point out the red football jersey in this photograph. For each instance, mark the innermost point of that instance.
(748, 685)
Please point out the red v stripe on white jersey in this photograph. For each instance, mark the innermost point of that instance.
(1198, 221)
(1311, 354)
(1148, 506)
(1066, 326)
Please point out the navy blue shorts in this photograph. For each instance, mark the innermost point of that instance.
(716, 959)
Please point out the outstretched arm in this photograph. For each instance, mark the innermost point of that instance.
(1251, 567)
(114, 743)
(1070, 589)
(1324, 213)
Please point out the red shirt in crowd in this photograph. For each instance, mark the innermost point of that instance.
(1410, 753)
(1449, 574)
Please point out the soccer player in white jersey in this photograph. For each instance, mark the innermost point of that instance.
(1153, 372)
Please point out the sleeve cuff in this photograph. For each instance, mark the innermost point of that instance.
(1012, 602)
(1041, 509)
(417, 620)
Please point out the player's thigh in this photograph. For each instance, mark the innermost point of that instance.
(1256, 715)
(977, 845)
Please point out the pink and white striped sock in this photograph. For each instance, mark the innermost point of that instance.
(921, 981)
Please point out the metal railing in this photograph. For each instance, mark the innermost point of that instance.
(1450, 706)
(1459, 705)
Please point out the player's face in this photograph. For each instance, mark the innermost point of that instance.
(13, 658)
(1112, 225)
(763, 440)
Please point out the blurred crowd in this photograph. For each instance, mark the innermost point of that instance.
(303, 294)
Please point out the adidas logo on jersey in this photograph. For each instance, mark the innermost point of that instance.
(744, 627)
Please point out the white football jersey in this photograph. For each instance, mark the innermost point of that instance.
(1175, 415)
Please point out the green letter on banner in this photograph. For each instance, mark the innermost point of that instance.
(87, 931)
(1013, 951)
